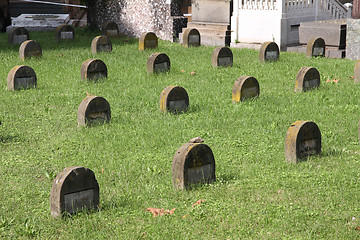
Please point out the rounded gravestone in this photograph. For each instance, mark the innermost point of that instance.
(191, 38)
(101, 44)
(174, 99)
(307, 79)
(110, 29)
(158, 62)
(148, 40)
(193, 163)
(222, 56)
(357, 72)
(93, 69)
(303, 139)
(245, 87)
(21, 77)
(269, 51)
(315, 47)
(30, 48)
(93, 110)
(64, 32)
(74, 189)
(18, 35)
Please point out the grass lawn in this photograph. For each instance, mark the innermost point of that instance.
(257, 194)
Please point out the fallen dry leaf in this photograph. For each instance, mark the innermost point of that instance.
(89, 94)
(193, 73)
(156, 211)
(351, 77)
(185, 216)
(336, 81)
(182, 70)
(328, 80)
(198, 202)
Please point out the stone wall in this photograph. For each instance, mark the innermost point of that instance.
(135, 16)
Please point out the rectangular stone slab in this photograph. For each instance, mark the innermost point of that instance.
(28, 20)
(318, 51)
(112, 32)
(332, 31)
(105, 48)
(79, 200)
(271, 55)
(194, 38)
(150, 43)
(308, 147)
(311, 83)
(161, 66)
(23, 82)
(199, 174)
(249, 92)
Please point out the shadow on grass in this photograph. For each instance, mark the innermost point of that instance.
(9, 139)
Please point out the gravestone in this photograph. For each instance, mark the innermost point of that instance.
(303, 139)
(191, 38)
(222, 56)
(64, 32)
(30, 48)
(357, 72)
(148, 40)
(93, 110)
(158, 62)
(315, 48)
(307, 79)
(110, 29)
(174, 99)
(245, 87)
(269, 51)
(101, 44)
(18, 35)
(21, 77)
(193, 163)
(74, 189)
(93, 69)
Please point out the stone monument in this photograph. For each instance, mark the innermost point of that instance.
(174, 99)
(245, 87)
(93, 110)
(21, 77)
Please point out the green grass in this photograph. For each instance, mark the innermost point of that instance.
(257, 193)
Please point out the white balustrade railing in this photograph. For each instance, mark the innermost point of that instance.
(332, 7)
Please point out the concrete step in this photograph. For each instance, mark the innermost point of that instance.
(211, 31)
(209, 25)
(211, 40)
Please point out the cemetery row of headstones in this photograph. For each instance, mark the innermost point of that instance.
(76, 188)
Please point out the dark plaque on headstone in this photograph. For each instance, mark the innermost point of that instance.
(30, 48)
(315, 48)
(303, 139)
(74, 189)
(101, 44)
(21, 77)
(110, 29)
(191, 38)
(222, 56)
(64, 32)
(18, 35)
(148, 40)
(93, 69)
(193, 163)
(245, 87)
(307, 79)
(158, 62)
(93, 110)
(269, 51)
(174, 99)
(357, 72)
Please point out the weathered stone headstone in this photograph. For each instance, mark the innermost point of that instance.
(357, 72)
(158, 62)
(74, 189)
(222, 56)
(315, 48)
(193, 163)
(30, 48)
(93, 110)
(307, 79)
(191, 38)
(110, 29)
(148, 40)
(64, 32)
(18, 35)
(93, 69)
(174, 99)
(21, 77)
(303, 139)
(245, 87)
(101, 44)
(269, 51)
